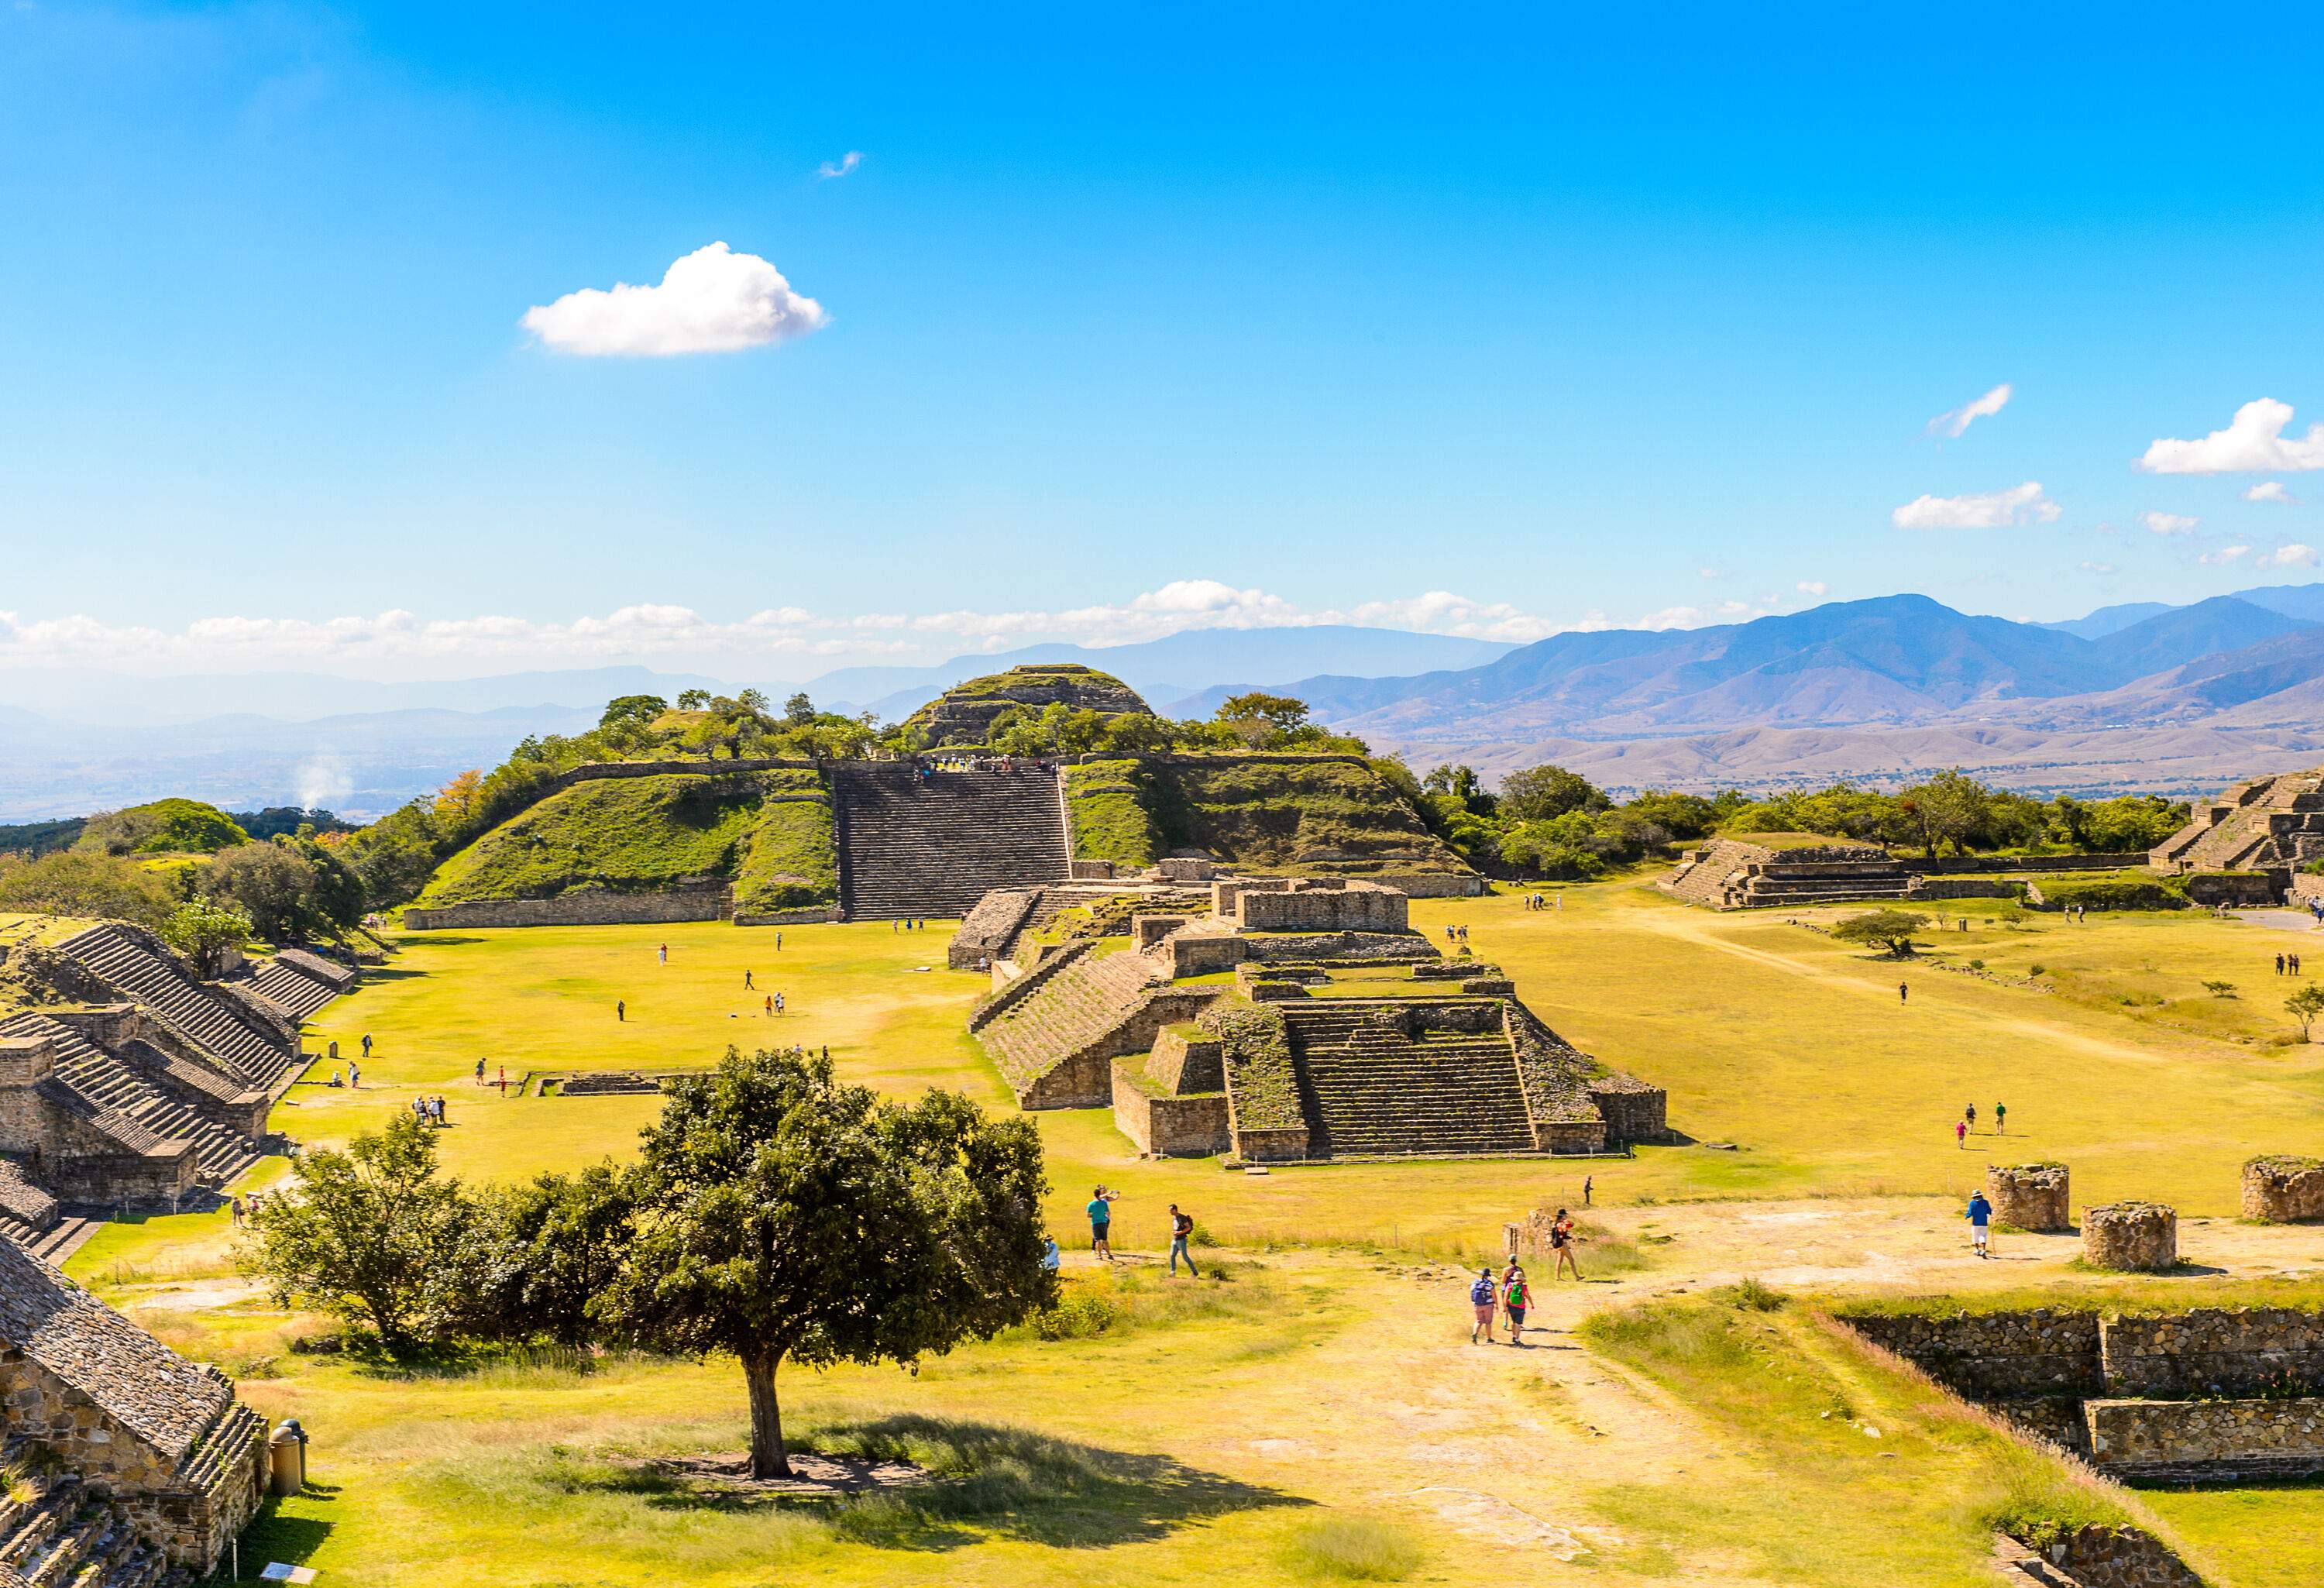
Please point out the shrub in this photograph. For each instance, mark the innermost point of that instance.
(1078, 1316)
(75, 884)
(1362, 1549)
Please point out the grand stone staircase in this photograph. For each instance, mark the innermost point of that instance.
(1077, 1005)
(290, 989)
(911, 846)
(208, 1020)
(1369, 1089)
(53, 1532)
(108, 1084)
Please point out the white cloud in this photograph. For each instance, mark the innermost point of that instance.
(2099, 568)
(839, 167)
(2167, 523)
(2295, 555)
(1812, 586)
(712, 300)
(1711, 573)
(2225, 555)
(1959, 420)
(1991, 510)
(2272, 491)
(2252, 443)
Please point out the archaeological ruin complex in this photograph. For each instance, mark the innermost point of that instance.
(1279, 1020)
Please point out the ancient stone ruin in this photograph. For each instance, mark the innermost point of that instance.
(2272, 825)
(1344, 1034)
(135, 1467)
(2131, 1237)
(132, 1082)
(2205, 1395)
(2284, 1190)
(1735, 873)
(964, 713)
(2029, 1195)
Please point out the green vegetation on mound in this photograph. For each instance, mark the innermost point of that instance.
(164, 826)
(1287, 813)
(1072, 697)
(2114, 890)
(1109, 816)
(769, 832)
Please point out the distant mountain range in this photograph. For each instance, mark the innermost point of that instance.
(2147, 695)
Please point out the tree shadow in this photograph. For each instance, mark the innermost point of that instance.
(984, 1480)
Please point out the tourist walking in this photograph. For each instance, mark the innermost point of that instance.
(771, 1006)
(354, 1075)
(2278, 965)
(234, 1210)
(1969, 1114)
(1903, 993)
(503, 1080)
(662, 952)
(367, 1037)
(620, 1009)
(1050, 1257)
(1100, 1218)
(1481, 1297)
(2295, 965)
(1980, 1218)
(1563, 1239)
(780, 1005)
(2001, 1118)
(1181, 1227)
(1587, 1182)
(1515, 1298)
(746, 983)
(480, 1072)
(779, 939)
(1960, 1132)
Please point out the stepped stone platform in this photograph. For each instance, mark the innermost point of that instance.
(1366, 1044)
(140, 1467)
(915, 843)
(2272, 824)
(240, 1032)
(1734, 873)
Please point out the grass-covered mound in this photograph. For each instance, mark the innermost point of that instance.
(767, 833)
(965, 713)
(163, 827)
(1106, 801)
(1321, 814)
(2113, 891)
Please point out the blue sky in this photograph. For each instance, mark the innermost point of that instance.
(1486, 321)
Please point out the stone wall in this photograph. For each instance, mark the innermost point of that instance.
(1634, 1112)
(2118, 1557)
(2040, 1351)
(811, 915)
(1314, 907)
(987, 929)
(2238, 890)
(1279, 1144)
(584, 907)
(1167, 1126)
(1961, 865)
(2213, 1351)
(1084, 1078)
(1340, 946)
(2134, 1438)
(2029, 1195)
(1183, 1065)
(2284, 1190)
(2137, 1237)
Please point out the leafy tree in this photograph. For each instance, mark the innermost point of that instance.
(456, 801)
(74, 883)
(1681, 816)
(164, 826)
(1459, 783)
(1949, 808)
(339, 898)
(270, 883)
(2305, 1005)
(798, 710)
(694, 700)
(785, 1217)
(2221, 989)
(539, 1254)
(367, 1234)
(1893, 927)
(1539, 793)
(1260, 720)
(206, 933)
(278, 821)
(627, 712)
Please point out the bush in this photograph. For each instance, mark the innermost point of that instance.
(165, 826)
(1078, 1316)
(1361, 1549)
(75, 884)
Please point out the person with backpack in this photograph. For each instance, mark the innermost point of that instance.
(1482, 1295)
(1182, 1228)
(1563, 1241)
(1515, 1298)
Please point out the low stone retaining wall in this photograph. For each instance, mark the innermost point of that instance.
(2239, 890)
(1981, 864)
(1997, 1356)
(2185, 1438)
(1962, 888)
(1279, 1144)
(1193, 1126)
(2213, 1351)
(814, 915)
(2118, 1557)
(586, 906)
(2029, 1195)
(2284, 1190)
(2137, 1237)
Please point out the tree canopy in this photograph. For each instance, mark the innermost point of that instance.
(1893, 928)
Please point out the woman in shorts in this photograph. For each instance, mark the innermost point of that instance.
(1481, 1296)
(1515, 1298)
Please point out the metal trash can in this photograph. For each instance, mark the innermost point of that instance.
(283, 1462)
(296, 1427)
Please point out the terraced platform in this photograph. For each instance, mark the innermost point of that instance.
(114, 1092)
(1369, 1089)
(912, 847)
(208, 1020)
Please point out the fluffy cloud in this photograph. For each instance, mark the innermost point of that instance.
(712, 300)
(2167, 523)
(1959, 420)
(1812, 586)
(839, 167)
(2252, 443)
(2225, 555)
(2098, 567)
(2295, 555)
(1991, 510)
(2272, 491)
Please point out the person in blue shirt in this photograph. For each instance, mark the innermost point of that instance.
(1050, 1257)
(1100, 1218)
(1483, 1296)
(1980, 1216)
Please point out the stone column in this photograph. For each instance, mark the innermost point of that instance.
(2281, 1189)
(2028, 1195)
(2135, 1236)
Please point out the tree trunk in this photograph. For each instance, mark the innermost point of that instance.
(769, 1459)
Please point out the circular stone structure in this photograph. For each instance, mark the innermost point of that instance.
(2028, 1195)
(2138, 1237)
(2283, 1189)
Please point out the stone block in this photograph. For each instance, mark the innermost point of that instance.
(2135, 1237)
(2029, 1195)
(2283, 1190)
